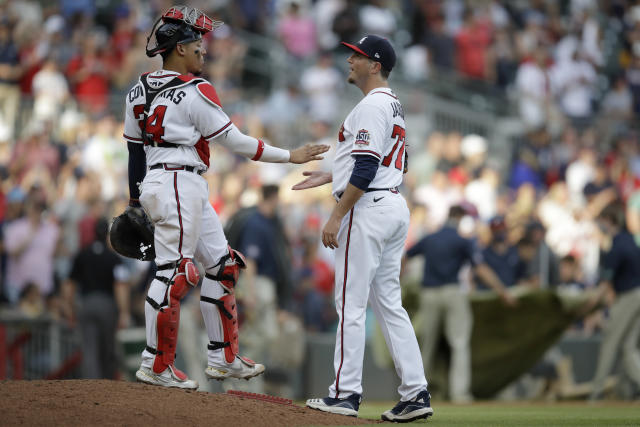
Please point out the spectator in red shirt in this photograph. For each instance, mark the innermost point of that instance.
(88, 73)
(472, 45)
(122, 38)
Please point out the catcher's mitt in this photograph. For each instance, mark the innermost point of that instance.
(131, 235)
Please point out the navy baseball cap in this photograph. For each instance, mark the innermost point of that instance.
(377, 49)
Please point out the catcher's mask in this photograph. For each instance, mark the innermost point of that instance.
(180, 24)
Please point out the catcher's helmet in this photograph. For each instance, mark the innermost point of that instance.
(180, 24)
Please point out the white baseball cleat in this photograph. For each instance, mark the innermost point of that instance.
(242, 368)
(171, 377)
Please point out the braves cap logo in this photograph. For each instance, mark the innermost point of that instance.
(362, 138)
(377, 48)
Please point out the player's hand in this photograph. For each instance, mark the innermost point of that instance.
(508, 299)
(307, 153)
(330, 233)
(316, 179)
(134, 209)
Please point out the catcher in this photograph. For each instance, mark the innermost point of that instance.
(171, 117)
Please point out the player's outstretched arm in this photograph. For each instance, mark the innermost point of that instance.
(307, 153)
(316, 179)
(257, 150)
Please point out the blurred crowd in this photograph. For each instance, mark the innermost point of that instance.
(571, 69)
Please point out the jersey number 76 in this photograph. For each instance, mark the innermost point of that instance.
(398, 133)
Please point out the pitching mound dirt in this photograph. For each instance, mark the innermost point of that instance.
(120, 403)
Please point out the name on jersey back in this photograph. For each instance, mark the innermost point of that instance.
(397, 109)
(171, 94)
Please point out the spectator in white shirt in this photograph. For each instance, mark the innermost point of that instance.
(580, 172)
(573, 81)
(376, 17)
(50, 90)
(482, 192)
(532, 83)
(322, 84)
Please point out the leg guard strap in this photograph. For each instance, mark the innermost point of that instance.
(154, 351)
(164, 280)
(220, 304)
(153, 304)
(217, 345)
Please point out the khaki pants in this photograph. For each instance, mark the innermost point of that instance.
(620, 335)
(9, 103)
(448, 304)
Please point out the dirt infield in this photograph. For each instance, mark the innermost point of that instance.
(120, 403)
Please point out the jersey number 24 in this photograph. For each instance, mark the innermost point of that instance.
(398, 133)
(155, 127)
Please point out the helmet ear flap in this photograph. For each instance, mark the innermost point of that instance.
(151, 52)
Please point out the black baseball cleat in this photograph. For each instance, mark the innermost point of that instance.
(411, 410)
(347, 406)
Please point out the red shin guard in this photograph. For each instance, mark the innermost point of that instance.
(230, 327)
(227, 276)
(168, 319)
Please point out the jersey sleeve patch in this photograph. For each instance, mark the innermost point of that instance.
(363, 138)
(209, 93)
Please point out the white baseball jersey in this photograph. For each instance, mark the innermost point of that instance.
(375, 127)
(188, 115)
(370, 246)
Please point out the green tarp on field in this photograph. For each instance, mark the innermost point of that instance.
(506, 341)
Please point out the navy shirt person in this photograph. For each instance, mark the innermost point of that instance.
(266, 286)
(620, 266)
(266, 248)
(499, 255)
(443, 302)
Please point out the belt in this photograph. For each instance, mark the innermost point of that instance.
(369, 190)
(166, 167)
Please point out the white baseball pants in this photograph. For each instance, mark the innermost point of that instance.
(371, 240)
(186, 226)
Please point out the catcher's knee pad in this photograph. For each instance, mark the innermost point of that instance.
(229, 269)
(168, 319)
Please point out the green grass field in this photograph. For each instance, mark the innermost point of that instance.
(523, 414)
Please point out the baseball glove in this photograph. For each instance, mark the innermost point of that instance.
(131, 234)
